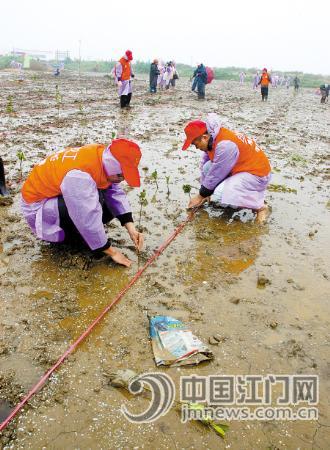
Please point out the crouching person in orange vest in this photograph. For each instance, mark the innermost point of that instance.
(72, 193)
(234, 170)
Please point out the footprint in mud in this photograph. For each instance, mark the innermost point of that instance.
(239, 244)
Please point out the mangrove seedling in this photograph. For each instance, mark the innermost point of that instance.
(81, 109)
(58, 100)
(113, 134)
(9, 107)
(154, 177)
(167, 178)
(143, 202)
(21, 157)
(186, 188)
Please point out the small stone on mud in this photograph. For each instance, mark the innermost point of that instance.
(6, 201)
(297, 287)
(273, 324)
(213, 340)
(263, 280)
(3, 349)
(30, 428)
(121, 378)
(235, 300)
(58, 399)
(220, 338)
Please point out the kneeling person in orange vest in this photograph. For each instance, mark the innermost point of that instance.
(72, 193)
(234, 170)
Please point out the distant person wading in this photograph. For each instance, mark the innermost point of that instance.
(153, 76)
(124, 75)
(264, 81)
(200, 80)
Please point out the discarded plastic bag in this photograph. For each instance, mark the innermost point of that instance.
(174, 344)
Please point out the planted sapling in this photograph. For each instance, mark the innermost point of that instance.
(167, 178)
(143, 202)
(9, 107)
(58, 100)
(21, 157)
(154, 177)
(186, 188)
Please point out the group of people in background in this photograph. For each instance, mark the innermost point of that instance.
(164, 75)
(264, 80)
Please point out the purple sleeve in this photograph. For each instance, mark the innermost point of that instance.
(117, 200)
(118, 71)
(226, 155)
(204, 159)
(81, 197)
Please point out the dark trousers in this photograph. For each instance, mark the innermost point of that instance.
(153, 84)
(324, 95)
(201, 89)
(264, 93)
(125, 100)
(72, 235)
(3, 189)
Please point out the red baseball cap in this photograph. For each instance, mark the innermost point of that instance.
(128, 154)
(129, 55)
(193, 130)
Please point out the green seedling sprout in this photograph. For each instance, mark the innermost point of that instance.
(186, 188)
(143, 202)
(113, 135)
(167, 178)
(9, 107)
(21, 157)
(219, 428)
(154, 177)
(81, 109)
(58, 99)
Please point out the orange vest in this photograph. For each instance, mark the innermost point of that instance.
(265, 79)
(251, 158)
(45, 179)
(126, 65)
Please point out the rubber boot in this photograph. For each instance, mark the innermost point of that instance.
(3, 189)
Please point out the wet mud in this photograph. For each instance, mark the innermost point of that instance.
(262, 290)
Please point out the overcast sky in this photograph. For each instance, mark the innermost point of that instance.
(278, 34)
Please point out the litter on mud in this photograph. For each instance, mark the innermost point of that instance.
(174, 344)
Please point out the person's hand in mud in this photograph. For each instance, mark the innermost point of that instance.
(118, 257)
(119, 83)
(135, 235)
(197, 201)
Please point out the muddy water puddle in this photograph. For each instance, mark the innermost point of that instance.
(208, 277)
